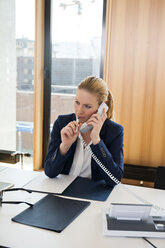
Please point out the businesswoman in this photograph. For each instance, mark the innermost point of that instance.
(96, 154)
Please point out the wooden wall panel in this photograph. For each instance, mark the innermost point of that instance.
(135, 72)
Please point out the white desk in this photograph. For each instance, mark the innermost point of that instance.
(84, 231)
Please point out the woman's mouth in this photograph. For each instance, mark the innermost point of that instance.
(82, 119)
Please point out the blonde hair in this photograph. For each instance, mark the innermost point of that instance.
(98, 87)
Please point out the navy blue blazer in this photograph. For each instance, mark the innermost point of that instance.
(109, 151)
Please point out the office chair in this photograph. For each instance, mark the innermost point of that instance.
(160, 178)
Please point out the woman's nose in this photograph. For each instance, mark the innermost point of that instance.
(80, 110)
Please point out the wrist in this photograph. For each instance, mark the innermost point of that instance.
(63, 149)
(96, 141)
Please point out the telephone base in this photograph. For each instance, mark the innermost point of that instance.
(153, 226)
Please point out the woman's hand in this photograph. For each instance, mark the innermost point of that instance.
(69, 135)
(97, 122)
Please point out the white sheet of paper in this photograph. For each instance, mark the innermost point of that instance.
(2, 168)
(51, 185)
(17, 177)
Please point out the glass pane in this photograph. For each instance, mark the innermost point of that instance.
(17, 75)
(76, 49)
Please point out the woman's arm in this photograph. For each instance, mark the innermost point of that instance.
(111, 156)
(55, 161)
(109, 151)
(63, 135)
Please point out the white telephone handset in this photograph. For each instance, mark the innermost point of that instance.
(85, 128)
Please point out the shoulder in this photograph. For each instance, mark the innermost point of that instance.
(111, 130)
(109, 124)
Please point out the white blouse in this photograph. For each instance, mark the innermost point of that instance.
(81, 165)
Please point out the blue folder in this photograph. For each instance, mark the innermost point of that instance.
(88, 189)
(52, 213)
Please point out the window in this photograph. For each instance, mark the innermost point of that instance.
(76, 49)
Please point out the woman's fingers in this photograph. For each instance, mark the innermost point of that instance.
(97, 116)
(94, 124)
(79, 126)
(94, 119)
(67, 133)
(70, 129)
(97, 121)
(73, 125)
(104, 115)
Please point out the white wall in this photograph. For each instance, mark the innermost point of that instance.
(7, 75)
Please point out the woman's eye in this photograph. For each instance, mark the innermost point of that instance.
(87, 106)
(77, 102)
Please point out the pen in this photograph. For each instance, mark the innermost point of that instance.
(77, 120)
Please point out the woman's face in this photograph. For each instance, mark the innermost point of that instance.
(85, 105)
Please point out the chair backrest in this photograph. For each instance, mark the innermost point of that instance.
(160, 178)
